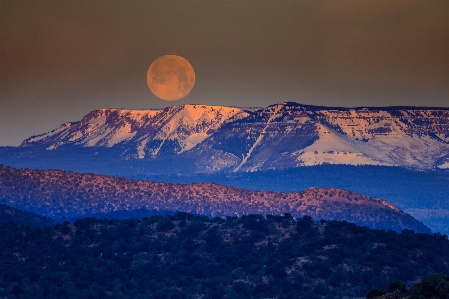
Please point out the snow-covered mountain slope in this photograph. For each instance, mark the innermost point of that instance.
(373, 138)
(279, 136)
(146, 131)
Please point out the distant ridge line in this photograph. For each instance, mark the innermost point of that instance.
(63, 194)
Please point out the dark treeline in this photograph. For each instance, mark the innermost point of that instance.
(433, 286)
(186, 256)
(8, 213)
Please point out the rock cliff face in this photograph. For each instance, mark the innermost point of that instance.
(63, 194)
(283, 135)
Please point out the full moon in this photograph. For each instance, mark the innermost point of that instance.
(170, 77)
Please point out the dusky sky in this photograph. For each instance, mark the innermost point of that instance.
(61, 59)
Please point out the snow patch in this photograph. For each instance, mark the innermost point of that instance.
(192, 140)
(333, 148)
(331, 157)
(124, 133)
(444, 165)
(76, 136)
(96, 140)
(397, 148)
(63, 127)
(141, 149)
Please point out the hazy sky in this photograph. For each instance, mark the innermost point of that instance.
(61, 59)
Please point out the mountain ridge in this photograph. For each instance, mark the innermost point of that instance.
(284, 135)
(62, 194)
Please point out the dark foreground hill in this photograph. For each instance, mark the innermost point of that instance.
(64, 195)
(185, 256)
(8, 213)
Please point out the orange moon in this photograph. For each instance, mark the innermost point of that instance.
(170, 77)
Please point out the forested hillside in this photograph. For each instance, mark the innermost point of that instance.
(64, 194)
(8, 213)
(419, 193)
(185, 256)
